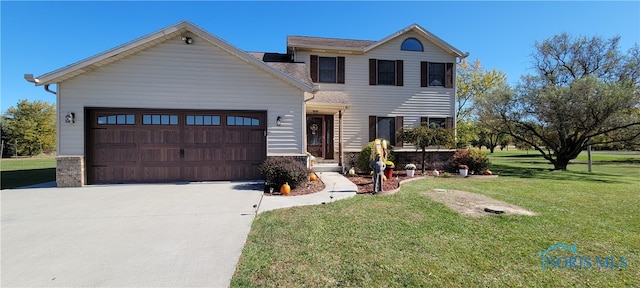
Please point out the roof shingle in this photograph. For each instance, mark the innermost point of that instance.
(294, 41)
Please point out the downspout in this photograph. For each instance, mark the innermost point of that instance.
(46, 88)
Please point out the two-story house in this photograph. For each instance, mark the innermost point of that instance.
(181, 104)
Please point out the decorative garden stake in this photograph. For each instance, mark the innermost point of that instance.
(378, 172)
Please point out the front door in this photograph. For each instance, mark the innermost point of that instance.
(320, 136)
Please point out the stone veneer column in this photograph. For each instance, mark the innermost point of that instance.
(70, 171)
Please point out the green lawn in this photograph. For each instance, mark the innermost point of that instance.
(408, 240)
(27, 171)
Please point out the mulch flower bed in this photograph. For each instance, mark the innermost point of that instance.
(365, 182)
(310, 188)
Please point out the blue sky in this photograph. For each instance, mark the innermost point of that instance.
(39, 37)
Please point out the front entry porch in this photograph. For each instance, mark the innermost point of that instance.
(323, 125)
(320, 136)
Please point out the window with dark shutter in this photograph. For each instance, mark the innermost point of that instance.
(436, 74)
(399, 73)
(341, 63)
(327, 68)
(314, 68)
(424, 120)
(386, 72)
(424, 74)
(448, 82)
(372, 128)
(373, 72)
(387, 129)
(449, 123)
(399, 125)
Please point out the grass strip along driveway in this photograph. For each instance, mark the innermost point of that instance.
(27, 171)
(407, 239)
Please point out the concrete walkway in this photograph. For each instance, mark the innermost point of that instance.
(337, 187)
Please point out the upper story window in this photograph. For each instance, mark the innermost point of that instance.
(327, 69)
(411, 44)
(436, 74)
(386, 72)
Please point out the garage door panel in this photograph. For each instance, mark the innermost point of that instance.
(115, 174)
(107, 136)
(237, 137)
(209, 154)
(111, 154)
(161, 174)
(243, 171)
(187, 145)
(206, 173)
(153, 155)
(211, 136)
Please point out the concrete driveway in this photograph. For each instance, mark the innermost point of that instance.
(161, 235)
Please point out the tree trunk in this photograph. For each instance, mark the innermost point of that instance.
(560, 164)
(423, 160)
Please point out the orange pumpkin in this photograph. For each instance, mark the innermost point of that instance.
(313, 177)
(285, 189)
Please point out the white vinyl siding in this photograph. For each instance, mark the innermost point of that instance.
(409, 100)
(173, 75)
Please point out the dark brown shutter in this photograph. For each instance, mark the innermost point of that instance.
(399, 72)
(314, 68)
(448, 76)
(341, 70)
(449, 123)
(424, 74)
(424, 120)
(372, 127)
(373, 73)
(399, 125)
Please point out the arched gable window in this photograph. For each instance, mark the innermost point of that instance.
(411, 44)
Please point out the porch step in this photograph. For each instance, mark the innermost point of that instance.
(326, 167)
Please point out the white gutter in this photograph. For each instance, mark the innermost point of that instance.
(29, 78)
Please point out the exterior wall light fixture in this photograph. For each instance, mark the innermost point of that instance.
(70, 118)
(279, 121)
(187, 40)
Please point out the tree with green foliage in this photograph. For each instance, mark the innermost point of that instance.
(424, 136)
(583, 88)
(466, 133)
(31, 127)
(5, 139)
(472, 82)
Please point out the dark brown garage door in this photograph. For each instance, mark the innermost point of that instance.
(127, 146)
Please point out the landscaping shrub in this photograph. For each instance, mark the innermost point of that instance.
(280, 170)
(477, 160)
(364, 158)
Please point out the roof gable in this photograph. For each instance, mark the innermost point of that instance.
(363, 46)
(122, 51)
(424, 33)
